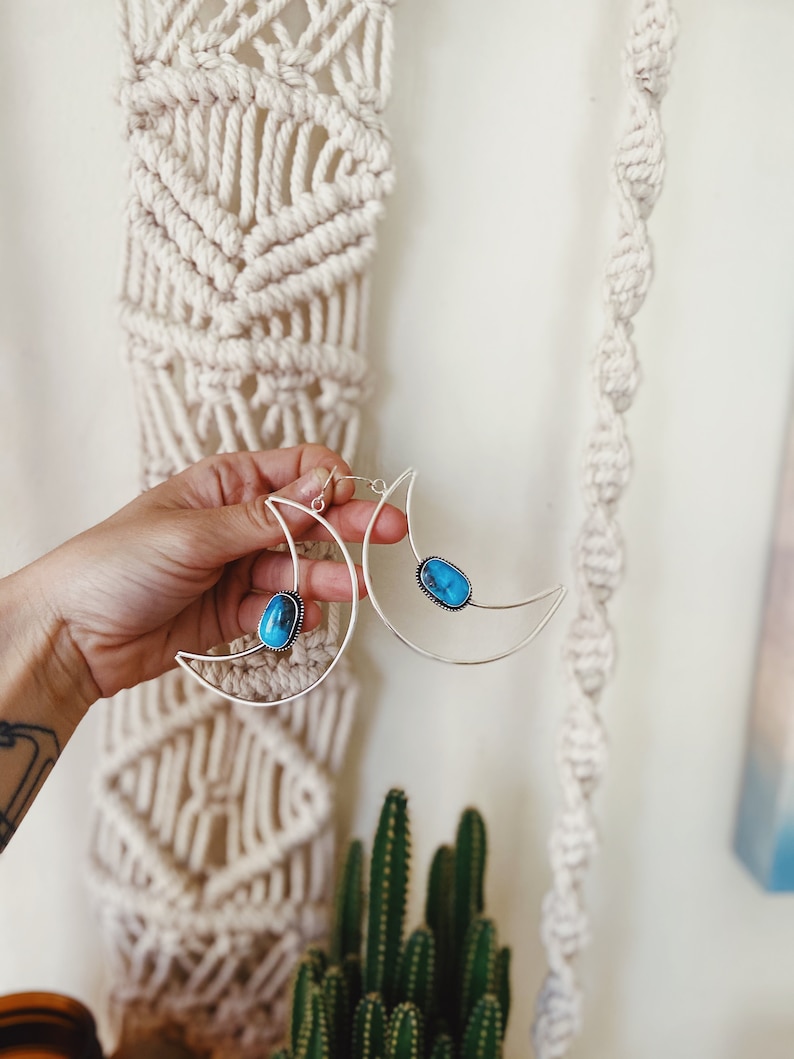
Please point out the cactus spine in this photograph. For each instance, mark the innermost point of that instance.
(444, 994)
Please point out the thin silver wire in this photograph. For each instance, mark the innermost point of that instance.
(558, 591)
(184, 658)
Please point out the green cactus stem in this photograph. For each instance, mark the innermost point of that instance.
(478, 975)
(483, 1037)
(369, 1029)
(282, 1053)
(438, 916)
(307, 974)
(405, 1033)
(348, 905)
(502, 984)
(443, 1047)
(313, 1039)
(388, 884)
(337, 1010)
(416, 979)
(470, 853)
(351, 968)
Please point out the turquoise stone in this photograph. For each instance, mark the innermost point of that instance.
(444, 583)
(282, 620)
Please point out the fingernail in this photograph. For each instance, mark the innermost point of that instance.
(311, 485)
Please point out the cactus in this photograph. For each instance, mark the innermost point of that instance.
(337, 1009)
(443, 1047)
(478, 975)
(405, 1033)
(313, 1040)
(468, 900)
(388, 885)
(416, 979)
(306, 975)
(369, 1029)
(502, 984)
(351, 969)
(438, 915)
(348, 906)
(483, 1037)
(444, 994)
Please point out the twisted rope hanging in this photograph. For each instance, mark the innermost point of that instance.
(590, 642)
(258, 166)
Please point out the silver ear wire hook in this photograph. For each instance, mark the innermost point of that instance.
(319, 504)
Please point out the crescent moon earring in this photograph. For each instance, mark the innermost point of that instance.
(282, 618)
(447, 585)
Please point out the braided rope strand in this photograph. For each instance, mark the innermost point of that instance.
(589, 651)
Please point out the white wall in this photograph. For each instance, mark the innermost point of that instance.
(486, 313)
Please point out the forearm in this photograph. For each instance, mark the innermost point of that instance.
(45, 689)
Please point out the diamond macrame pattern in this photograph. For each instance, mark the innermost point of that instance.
(258, 168)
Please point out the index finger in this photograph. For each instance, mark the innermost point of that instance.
(239, 477)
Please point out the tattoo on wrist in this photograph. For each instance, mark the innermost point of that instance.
(28, 753)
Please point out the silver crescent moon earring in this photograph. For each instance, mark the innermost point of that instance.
(282, 618)
(445, 584)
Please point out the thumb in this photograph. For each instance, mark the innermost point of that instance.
(223, 534)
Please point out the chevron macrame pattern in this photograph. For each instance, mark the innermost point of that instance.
(258, 168)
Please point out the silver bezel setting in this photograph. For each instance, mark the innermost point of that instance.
(433, 598)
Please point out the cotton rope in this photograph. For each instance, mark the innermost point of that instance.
(258, 164)
(590, 642)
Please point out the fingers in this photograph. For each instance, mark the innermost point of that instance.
(351, 521)
(216, 536)
(320, 579)
(240, 477)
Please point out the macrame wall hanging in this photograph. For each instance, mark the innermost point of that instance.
(589, 652)
(258, 164)
(258, 168)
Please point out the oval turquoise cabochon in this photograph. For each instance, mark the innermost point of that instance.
(281, 622)
(444, 583)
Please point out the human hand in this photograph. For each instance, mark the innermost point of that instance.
(187, 566)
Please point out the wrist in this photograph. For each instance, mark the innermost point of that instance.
(42, 671)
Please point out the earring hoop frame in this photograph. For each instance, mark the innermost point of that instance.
(184, 658)
(557, 591)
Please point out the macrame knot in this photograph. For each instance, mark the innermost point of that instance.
(559, 1016)
(341, 398)
(628, 272)
(364, 102)
(582, 744)
(649, 52)
(574, 841)
(639, 164)
(377, 9)
(211, 387)
(600, 555)
(590, 653)
(617, 369)
(287, 65)
(607, 463)
(564, 923)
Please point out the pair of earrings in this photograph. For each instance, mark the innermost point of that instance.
(440, 580)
